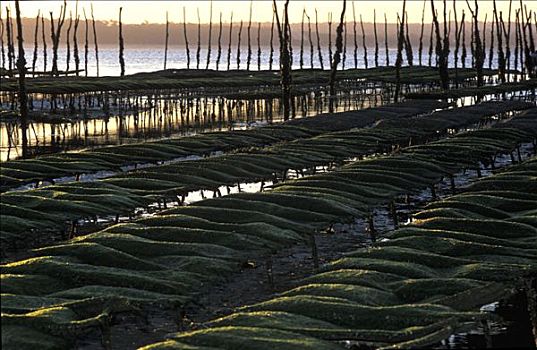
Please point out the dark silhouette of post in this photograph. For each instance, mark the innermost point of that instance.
(75, 41)
(249, 56)
(55, 36)
(10, 46)
(285, 62)
(420, 48)
(219, 54)
(386, 40)
(239, 46)
(399, 59)
(337, 58)
(310, 41)
(95, 41)
(86, 44)
(23, 97)
(68, 44)
(36, 45)
(301, 60)
(318, 41)
(458, 30)
(229, 43)
(376, 38)
(166, 38)
(355, 36)
(210, 36)
(2, 49)
(330, 39)
(442, 47)
(258, 45)
(199, 41)
(121, 45)
(271, 55)
(478, 49)
(186, 39)
(363, 41)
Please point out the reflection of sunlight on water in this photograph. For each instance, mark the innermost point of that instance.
(169, 118)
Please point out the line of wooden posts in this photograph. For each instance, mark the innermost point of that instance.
(440, 36)
(439, 40)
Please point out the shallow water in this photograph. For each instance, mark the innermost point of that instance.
(168, 118)
(146, 59)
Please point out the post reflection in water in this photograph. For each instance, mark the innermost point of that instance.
(161, 116)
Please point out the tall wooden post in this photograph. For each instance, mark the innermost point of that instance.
(23, 97)
(337, 57)
(95, 41)
(121, 45)
(186, 40)
(210, 36)
(318, 41)
(166, 38)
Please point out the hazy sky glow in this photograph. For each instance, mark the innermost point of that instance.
(155, 11)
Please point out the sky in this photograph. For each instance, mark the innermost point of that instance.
(137, 12)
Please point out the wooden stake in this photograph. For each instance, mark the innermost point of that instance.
(23, 97)
(210, 35)
(491, 49)
(463, 45)
(249, 57)
(408, 46)
(3, 52)
(330, 39)
(186, 40)
(68, 45)
(271, 55)
(121, 45)
(399, 60)
(376, 38)
(478, 49)
(86, 44)
(219, 43)
(442, 47)
(458, 31)
(336, 59)
(301, 61)
(499, 34)
(55, 35)
(167, 35)
(75, 41)
(355, 40)
(386, 40)
(199, 41)
(311, 42)
(229, 44)
(95, 40)
(36, 46)
(239, 47)
(285, 61)
(363, 41)
(258, 46)
(318, 41)
(10, 49)
(431, 46)
(420, 49)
